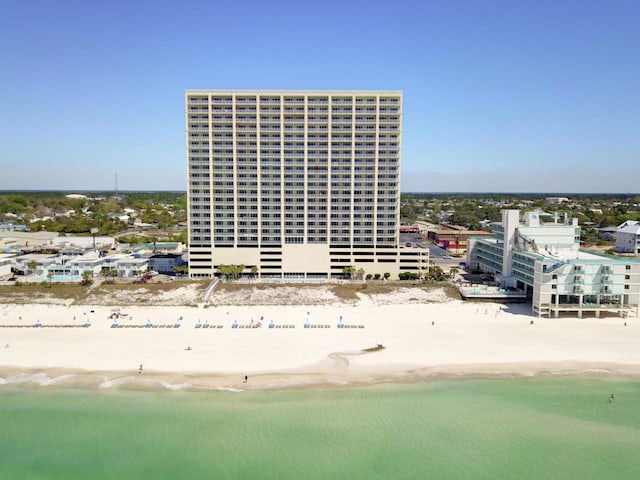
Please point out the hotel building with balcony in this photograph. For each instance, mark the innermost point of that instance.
(540, 254)
(296, 185)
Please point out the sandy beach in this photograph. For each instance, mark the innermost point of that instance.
(318, 341)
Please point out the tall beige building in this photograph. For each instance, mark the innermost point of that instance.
(298, 184)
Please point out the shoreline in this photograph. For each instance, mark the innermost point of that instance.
(49, 379)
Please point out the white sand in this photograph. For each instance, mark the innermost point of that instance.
(467, 338)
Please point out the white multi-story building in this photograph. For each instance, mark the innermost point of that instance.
(295, 184)
(628, 238)
(540, 254)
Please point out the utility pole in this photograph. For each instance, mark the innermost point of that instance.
(93, 234)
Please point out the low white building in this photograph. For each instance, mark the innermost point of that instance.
(628, 238)
(6, 262)
(35, 264)
(127, 266)
(79, 265)
(556, 200)
(131, 267)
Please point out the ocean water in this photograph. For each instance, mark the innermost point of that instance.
(553, 427)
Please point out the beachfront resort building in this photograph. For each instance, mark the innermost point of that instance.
(295, 184)
(628, 238)
(539, 254)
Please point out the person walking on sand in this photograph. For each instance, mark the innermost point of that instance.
(246, 379)
(140, 369)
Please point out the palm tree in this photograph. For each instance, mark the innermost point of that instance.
(104, 272)
(453, 272)
(87, 275)
(32, 265)
(113, 273)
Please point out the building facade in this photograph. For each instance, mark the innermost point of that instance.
(628, 238)
(295, 184)
(540, 254)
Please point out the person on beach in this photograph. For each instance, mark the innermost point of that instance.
(246, 379)
(140, 369)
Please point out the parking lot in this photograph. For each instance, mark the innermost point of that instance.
(438, 255)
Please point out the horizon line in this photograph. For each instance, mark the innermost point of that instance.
(452, 192)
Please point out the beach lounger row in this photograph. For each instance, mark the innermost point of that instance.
(308, 325)
(206, 325)
(350, 326)
(273, 325)
(147, 325)
(248, 325)
(39, 325)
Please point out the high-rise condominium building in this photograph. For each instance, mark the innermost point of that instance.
(295, 184)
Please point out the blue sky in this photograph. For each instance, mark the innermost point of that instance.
(508, 96)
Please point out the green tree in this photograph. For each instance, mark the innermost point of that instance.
(408, 276)
(348, 271)
(180, 270)
(231, 270)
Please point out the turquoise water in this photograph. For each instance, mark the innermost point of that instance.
(542, 428)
